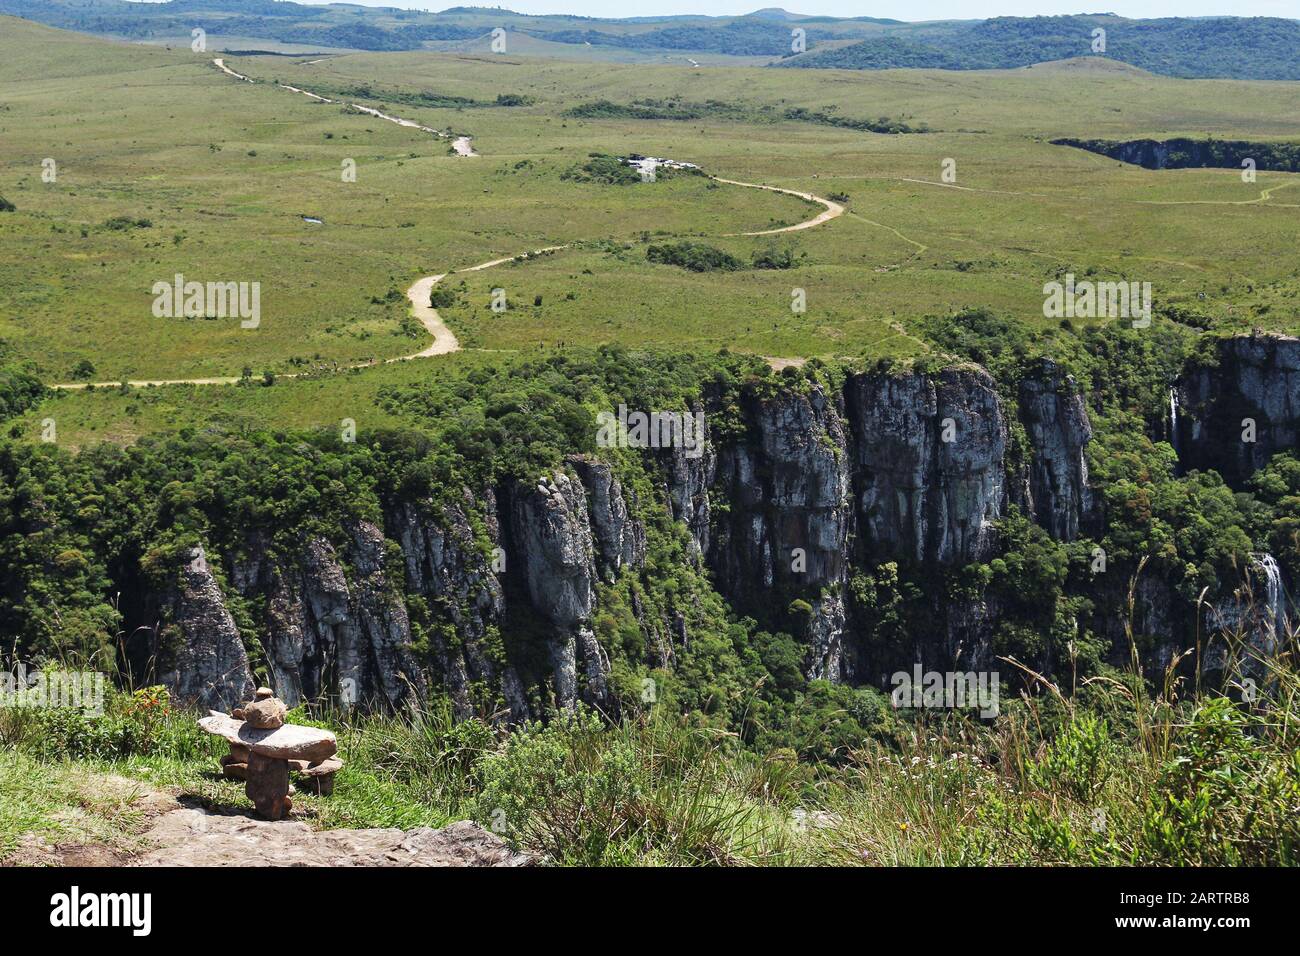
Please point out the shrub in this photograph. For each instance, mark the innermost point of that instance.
(1228, 796)
(602, 168)
(774, 258)
(695, 256)
(589, 794)
(442, 298)
(124, 223)
(1079, 761)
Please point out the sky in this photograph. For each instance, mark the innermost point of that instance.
(895, 9)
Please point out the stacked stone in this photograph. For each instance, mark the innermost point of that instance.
(263, 749)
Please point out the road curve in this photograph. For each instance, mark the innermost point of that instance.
(444, 340)
(833, 210)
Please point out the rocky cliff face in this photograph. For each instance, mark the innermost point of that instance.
(1234, 414)
(1185, 153)
(812, 484)
(1056, 420)
(789, 519)
(929, 455)
(456, 572)
(330, 633)
(552, 541)
(902, 466)
(687, 481)
(620, 540)
(201, 656)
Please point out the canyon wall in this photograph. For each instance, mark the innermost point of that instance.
(811, 485)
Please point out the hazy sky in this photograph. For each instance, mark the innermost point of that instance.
(896, 9)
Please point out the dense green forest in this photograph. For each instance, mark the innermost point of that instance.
(1260, 48)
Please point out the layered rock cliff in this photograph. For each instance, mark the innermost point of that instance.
(1056, 420)
(811, 484)
(1183, 153)
(789, 517)
(199, 652)
(929, 455)
(335, 626)
(1233, 412)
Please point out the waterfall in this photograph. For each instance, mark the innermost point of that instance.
(1173, 417)
(1275, 624)
(1258, 612)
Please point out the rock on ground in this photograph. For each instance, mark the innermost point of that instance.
(194, 837)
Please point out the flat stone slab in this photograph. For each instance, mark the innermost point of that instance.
(290, 742)
(194, 837)
(327, 766)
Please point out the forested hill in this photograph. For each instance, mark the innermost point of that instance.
(1233, 47)
(1260, 48)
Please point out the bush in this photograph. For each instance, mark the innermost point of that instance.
(124, 223)
(773, 258)
(1079, 761)
(695, 256)
(588, 794)
(1229, 795)
(602, 168)
(142, 723)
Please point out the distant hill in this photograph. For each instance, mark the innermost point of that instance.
(1260, 48)
(1235, 47)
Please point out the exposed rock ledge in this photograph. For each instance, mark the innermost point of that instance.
(194, 837)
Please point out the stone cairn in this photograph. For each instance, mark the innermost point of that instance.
(264, 749)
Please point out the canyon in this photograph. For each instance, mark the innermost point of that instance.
(895, 465)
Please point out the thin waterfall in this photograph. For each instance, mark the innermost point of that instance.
(1275, 623)
(1258, 613)
(1173, 417)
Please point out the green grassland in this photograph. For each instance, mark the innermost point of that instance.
(225, 170)
(1027, 210)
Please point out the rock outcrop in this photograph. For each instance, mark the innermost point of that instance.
(1236, 411)
(552, 542)
(929, 463)
(787, 527)
(619, 537)
(1183, 153)
(328, 633)
(687, 479)
(200, 653)
(455, 566)
(1056, 420)
(788, 491)
(193, 837)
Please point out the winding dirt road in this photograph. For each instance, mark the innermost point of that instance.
(444, 340)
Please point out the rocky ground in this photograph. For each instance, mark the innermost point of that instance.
(175, 834)
(194, 837)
